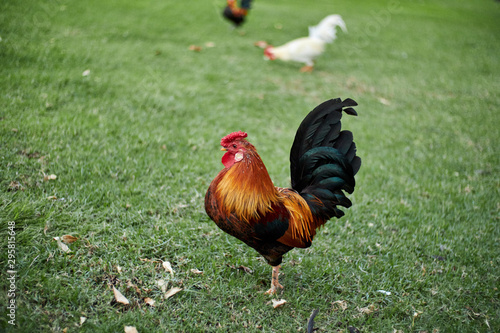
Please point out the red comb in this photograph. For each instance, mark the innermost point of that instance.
(225, 141)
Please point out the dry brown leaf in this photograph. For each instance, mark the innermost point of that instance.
(367, 310)
(119, 297)
(130, 329)
(168, 267)
(477, 314)
(195, 48)
(340, 305)
(415, 316)
(15, 186)
(49, 177)
(62, 247)
(82, 320)
(162, 284)
(52, 197)
(196, 271)
(384, 101)
(172, 292)
(210, 44)
(118, 269)
(68, 239)
(417, 313)
(246, 269)
(278, 302)
(149, 301)
(243, 268)
(133, 286)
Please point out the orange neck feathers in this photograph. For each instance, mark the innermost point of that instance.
(246, 188)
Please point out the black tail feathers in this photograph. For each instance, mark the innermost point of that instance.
(323, 159)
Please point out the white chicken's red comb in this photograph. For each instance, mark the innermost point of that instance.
(225, 141)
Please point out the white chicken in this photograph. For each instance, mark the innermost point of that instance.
(307, 49)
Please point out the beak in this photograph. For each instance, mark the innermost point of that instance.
(223, 149)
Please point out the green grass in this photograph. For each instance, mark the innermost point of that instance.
(134, 146)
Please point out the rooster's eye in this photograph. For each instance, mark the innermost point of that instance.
(234, 146)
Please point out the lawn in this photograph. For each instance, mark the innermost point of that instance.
(109, 132)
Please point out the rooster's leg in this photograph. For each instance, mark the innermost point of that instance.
(308, 69)
(274, 281)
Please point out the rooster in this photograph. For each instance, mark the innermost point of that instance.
(243, 201)
(307, 49)
(236, 14)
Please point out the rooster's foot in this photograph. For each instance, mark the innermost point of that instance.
(274, 289)
(274, 281)
(307, 69)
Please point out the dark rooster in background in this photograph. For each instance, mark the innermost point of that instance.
(243, 201)
(236, 14)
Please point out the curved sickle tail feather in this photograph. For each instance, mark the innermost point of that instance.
(323, 159)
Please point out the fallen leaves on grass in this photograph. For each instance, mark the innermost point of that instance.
(15, 186)
(415, 316)
(384, 101)
(162, 284)
(339, 305)
(172, 292)
(68, 239)
(82, 320)
(366, 310)
(149, 301)
(63, 247)
(196, 271)
(168, 267)
(133, 286)
(474, 313)
(278, 302)
(86, 72)
(119, 297)
(243, 268)
(195, 48)
(49, 177)
(130, 329)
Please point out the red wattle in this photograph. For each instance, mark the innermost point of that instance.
(228, 159)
